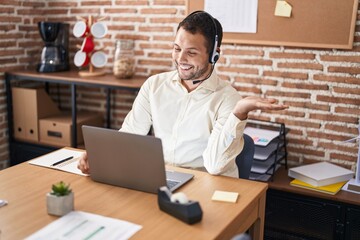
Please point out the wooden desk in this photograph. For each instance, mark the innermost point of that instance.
(282, 181)
(296, 213)
(24, 186)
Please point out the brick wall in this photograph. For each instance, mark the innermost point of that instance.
(321, 86)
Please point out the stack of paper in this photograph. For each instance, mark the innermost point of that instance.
(323, 176)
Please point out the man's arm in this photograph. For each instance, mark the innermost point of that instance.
(226, 141)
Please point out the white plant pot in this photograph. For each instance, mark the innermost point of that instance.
(59, 206)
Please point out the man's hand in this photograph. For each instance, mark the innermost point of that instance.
(83, 164)
(248, 104)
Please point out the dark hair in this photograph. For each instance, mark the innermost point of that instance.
(203, 23)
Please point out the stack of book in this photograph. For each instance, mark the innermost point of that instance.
(322, 177)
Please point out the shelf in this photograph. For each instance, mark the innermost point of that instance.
(19, 151)
(270, 148)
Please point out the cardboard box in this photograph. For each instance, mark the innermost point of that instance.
(29, 105)
(56, 130)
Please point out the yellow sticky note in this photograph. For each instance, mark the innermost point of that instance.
(225, 196)
(283, 9)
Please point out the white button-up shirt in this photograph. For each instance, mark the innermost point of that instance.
(197, 128)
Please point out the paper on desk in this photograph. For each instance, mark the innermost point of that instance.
(82, 225)
(69, 166)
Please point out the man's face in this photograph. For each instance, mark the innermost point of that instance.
(190, 56)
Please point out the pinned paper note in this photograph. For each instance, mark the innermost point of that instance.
(283, 9)
(225, 196)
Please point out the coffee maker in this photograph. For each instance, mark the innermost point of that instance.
(55, 54)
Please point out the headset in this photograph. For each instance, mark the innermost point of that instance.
(214, 54)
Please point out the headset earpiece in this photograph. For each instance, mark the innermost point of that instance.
(214, 53)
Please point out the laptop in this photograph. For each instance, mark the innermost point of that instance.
(129, 160)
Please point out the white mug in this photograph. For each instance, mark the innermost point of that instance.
(99, 29)
(81, 29)
(81, 59)
(98, 59)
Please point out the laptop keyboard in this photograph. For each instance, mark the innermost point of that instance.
(170, 183)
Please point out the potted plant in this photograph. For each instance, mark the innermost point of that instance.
(60, 200)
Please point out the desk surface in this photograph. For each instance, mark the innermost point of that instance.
(108, 80)
(24, 186)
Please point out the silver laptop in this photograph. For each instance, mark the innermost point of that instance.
(129, 160)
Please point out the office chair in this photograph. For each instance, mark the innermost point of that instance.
(245, 159)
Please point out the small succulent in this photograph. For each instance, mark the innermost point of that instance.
(60, 189)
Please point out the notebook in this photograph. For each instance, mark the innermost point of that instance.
(129, 160)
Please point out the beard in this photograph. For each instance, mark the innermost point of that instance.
(192, 73)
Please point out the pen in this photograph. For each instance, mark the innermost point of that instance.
(93, 233)
(61, 161)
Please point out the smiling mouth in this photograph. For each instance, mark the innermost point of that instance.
(184, 67)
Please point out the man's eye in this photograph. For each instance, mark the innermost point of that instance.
(191, 54)
(177, 49)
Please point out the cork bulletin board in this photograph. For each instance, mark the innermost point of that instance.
(313, 24)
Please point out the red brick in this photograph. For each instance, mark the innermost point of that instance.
(343, 129)
(292, 55)
(157, 29)
(170, 2)
(338, 147)
(292, 75)
(252, 62)
(62, 4)
(301, 123)
(239, 70)
(155, 62)
(243, 89)
(288, 94)
(306, 151)
(338, 69)
(132, 2)
(95, 3)
(331, 118)
(347, 110)
(239, 52)
(343, 157)
(307, 105)
(312, 66)
(330, 78)
(305, 86)
(342, 100)
(256, 81)
(119, 10)
(158, 11)
(302, 142)
(347, 90)
(340, 58)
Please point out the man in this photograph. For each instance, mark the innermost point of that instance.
(199, 117)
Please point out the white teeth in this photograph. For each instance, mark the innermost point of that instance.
(185, 67)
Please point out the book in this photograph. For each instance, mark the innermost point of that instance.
(320, 174)
(261, 137)
(328, 189)
(64, 159)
